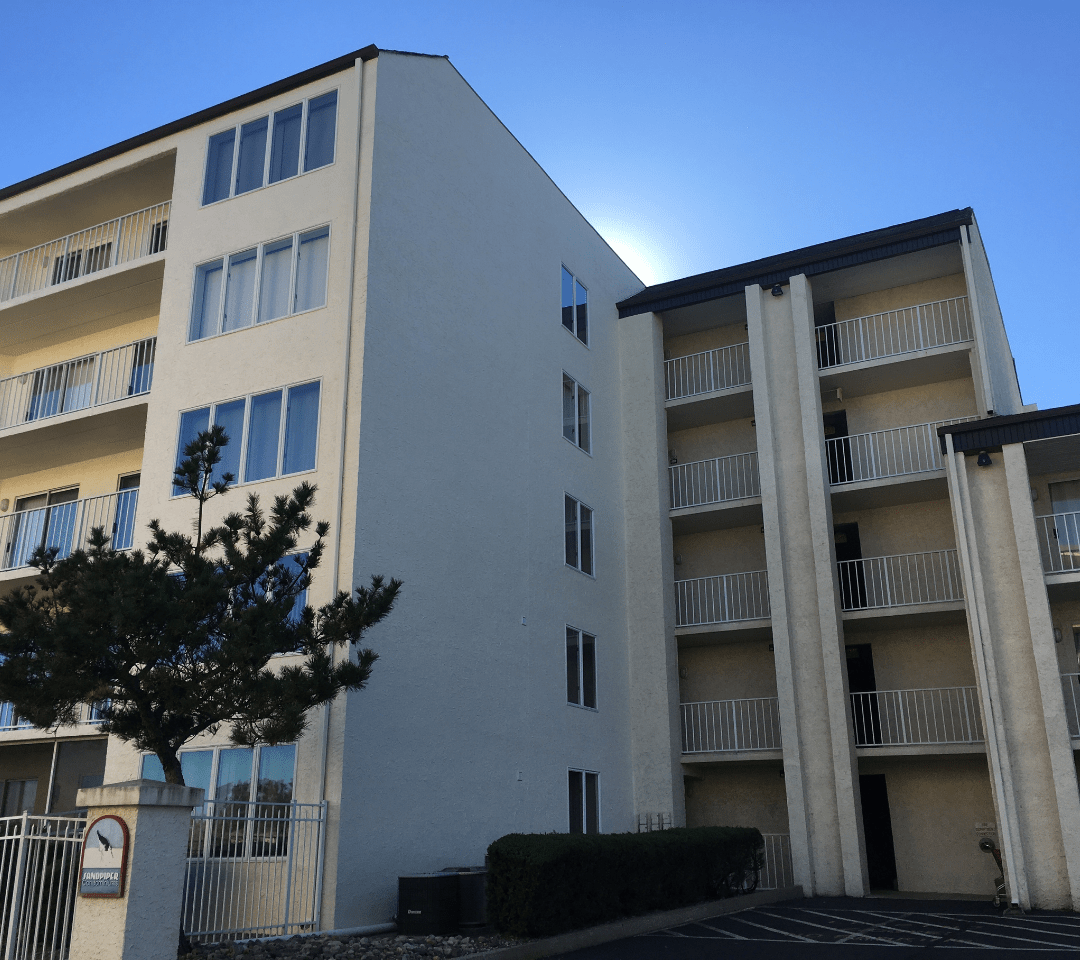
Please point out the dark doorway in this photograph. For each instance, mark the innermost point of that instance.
(852, 575)
(877, 829)
(824, 318)
(837, 447)
(864, 704)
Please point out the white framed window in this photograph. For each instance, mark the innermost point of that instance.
(271, 434)
(583, 789)
(268, 149)
(575, 406)
(273, 280)
(580, 668)
(575, 306)
(579, 535)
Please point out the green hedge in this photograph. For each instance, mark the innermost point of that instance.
(542, 884)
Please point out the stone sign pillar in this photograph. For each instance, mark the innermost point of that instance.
(130, 909)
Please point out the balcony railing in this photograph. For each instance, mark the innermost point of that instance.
(127, 238)
(1070, 686)
(941, 715)
(899, 581)
(89, 381)
(898, 452)
(719, 369)
(1059, 541)
(65, 526)
(89, 715)
(895, 332)
(777, 872)
(714, 481)
(725, 599)
(720, 726)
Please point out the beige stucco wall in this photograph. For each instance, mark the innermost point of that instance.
(731, 671)
(905, 528)
(919, 657)
(747, 794)
(716, 552)
(893, 298)
(714, 440)
(724, 335)
(945, 400)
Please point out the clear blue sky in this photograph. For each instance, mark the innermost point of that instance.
(692, 135)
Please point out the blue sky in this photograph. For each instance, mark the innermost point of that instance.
(692, 135)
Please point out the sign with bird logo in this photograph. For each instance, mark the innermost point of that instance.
(104, 858)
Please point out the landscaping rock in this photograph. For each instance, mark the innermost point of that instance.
(317, 946)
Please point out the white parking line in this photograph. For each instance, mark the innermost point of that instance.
(726, 933)
(840, 930)
(764, 926)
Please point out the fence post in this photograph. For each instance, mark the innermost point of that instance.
(144, 922)
(16, 906)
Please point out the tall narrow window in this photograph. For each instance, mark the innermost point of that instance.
(285, 152)
(263, 430)
(276, 280)
(230, 416)
(219, 161)
(249, 166)
(240, 291)
(192, 423)
(575, 306)
(301, 428)
(322, 121)
(580, 668)
(583, 789)
(579, 535)
(206, 304)
(311, 270)
(575, 413)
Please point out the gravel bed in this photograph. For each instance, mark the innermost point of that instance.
(388, 946)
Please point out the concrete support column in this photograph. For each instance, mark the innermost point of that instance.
(1009, 623)
(650, 574)
(144, 923)
(820, 765)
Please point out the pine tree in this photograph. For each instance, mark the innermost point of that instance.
(180, 638)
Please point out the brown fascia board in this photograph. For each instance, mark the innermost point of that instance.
(994, 432)
(780, 267)
(310, 75)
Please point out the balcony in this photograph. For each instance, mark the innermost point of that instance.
(715, 494)
(89, 381)
(731, 726)
(941, 716)
(1059, 542)
(89, 716)
(709, 387)
(123, 240)
(883, 454)
(65, 527)
(903, 580)
(731, 598)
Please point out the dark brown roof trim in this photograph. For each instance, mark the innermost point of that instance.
(1017, 428)
(310, 75)
(821, 258)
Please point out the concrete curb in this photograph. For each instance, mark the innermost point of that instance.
(635, 926)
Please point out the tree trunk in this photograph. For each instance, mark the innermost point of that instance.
(173, 771)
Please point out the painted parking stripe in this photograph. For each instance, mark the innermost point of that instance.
(1017, 925)
(783, 933)
(840, 931)
(726, 933)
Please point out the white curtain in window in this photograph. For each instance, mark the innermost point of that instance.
(311, 269)
(264, 423)
(207, 301)
(240, 291)
(301, 428)
(276, 280)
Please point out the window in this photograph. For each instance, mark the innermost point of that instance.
(579, 535)
(127, 500)
(575, 306)
(584, 792)
(267, 282)
(270, 434)
(267, 150)
(580, 668)
(17, 797)
(575, 406)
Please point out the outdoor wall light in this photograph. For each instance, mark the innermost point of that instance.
(4, 504)
(672, 458)
(777, 290)
(678, 559)
(1057, 634)
(984, 459)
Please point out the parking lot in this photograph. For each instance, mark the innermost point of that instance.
(855, 929)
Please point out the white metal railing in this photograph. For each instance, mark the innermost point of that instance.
(897, 452)
(127, 238)
(1070, 686)
(65, 526)
(777, 872)
(1059, 541)
(895, 332)
(938, 715)
(39, 870)
(718, 369)
(89, 715)
(253, 870)
(89, 381)
(900, 580)
(714, 481)
(722, 726)
(723, 599)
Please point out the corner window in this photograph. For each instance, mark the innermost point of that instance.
(580, 668)
(575, 306)
(270, 434)
(575, 405)
(267, 282)
(267, 150)
(583, 787)
(579, 535)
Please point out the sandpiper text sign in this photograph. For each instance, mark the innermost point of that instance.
(104, 858)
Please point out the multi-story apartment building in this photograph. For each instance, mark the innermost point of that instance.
(643, 585)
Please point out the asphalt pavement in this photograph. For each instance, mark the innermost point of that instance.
(849, 929)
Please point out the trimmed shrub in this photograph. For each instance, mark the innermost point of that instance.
(542, 884)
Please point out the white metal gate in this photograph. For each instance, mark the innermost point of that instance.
(253, 870)
(39, 866)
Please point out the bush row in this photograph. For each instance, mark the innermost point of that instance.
(542, 884)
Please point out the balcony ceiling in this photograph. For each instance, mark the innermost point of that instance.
(1053, 455)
